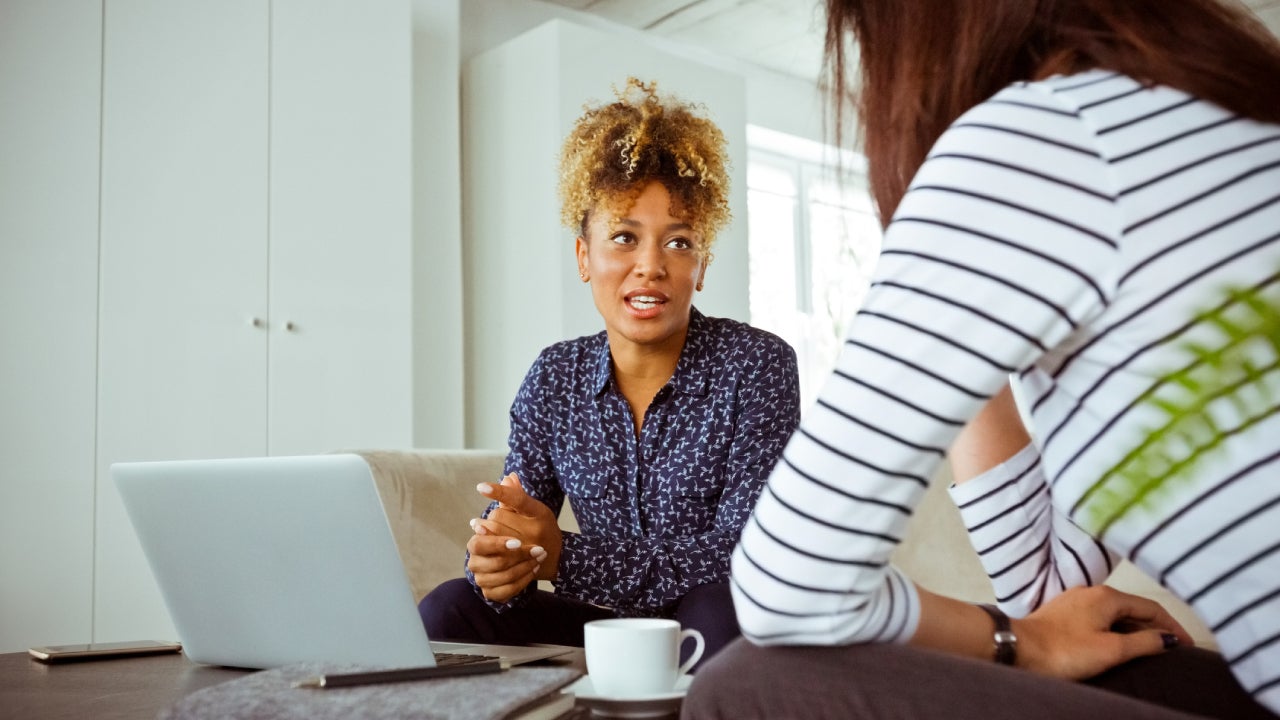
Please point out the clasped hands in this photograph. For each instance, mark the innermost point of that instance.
(517, 544)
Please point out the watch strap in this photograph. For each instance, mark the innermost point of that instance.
(1006, 643)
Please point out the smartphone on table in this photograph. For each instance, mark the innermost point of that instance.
(102, 651)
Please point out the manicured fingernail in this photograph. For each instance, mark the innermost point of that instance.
(538, 553)
(473, 522)
(513, 544)
(484, 489)
(481, 530)
(1170, 640)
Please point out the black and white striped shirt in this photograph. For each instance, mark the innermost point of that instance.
(1066, 232)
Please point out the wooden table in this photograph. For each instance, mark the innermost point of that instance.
(138, 687)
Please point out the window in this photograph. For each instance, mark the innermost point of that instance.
(813, 241)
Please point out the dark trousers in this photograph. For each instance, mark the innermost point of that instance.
(454, 611)
(905, 682)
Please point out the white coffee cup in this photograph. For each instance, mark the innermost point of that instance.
(635, 657)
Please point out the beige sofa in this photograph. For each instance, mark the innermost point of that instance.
(430, 495)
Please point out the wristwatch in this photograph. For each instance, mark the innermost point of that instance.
(1006, 642)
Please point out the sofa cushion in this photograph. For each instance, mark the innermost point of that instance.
(429, 495)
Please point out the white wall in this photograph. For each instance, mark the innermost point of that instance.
(774, 100)
(438, 365)
(785, 104)
(50, 75)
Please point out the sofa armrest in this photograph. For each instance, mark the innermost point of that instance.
(429, 495)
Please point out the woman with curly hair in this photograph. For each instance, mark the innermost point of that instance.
(659, 430)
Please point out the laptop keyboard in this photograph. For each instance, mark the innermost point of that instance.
(447, 658)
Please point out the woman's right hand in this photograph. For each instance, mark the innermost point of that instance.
(502, 566)
(518, 543)
(1074, 635)
(525, 518)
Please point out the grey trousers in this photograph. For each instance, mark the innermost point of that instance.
(899, 681)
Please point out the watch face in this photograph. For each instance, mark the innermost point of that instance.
(1005, 641)
(1006, 647)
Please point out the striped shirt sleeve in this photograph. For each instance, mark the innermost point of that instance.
(1030, 549)
(1003, 247)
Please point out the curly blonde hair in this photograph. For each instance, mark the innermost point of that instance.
(615, 150)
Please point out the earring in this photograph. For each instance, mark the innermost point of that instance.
(583, 275)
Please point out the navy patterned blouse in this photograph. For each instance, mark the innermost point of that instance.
(659, 514)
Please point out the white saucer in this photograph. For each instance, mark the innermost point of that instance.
(645, 706)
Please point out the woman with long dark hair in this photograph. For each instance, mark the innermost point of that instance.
(1081, 197)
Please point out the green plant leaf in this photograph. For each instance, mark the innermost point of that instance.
(1229, 374)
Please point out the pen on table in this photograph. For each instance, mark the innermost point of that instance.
(372, 677)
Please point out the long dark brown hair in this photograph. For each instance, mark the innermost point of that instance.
(925, 62)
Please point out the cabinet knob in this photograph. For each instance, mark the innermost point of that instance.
(289, 326)
(257, 322)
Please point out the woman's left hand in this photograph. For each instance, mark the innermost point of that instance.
(1088, 630)
(521, 516)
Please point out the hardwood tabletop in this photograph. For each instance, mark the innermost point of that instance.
(128, 687)
(131, 687)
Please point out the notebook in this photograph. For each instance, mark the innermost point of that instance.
(265, 562)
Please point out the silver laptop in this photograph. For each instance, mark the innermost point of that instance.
(264, 562)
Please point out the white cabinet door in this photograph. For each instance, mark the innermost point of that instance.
(50, 65)
(181, 180)
(341, 151)
(255, 246)
(181, 364)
